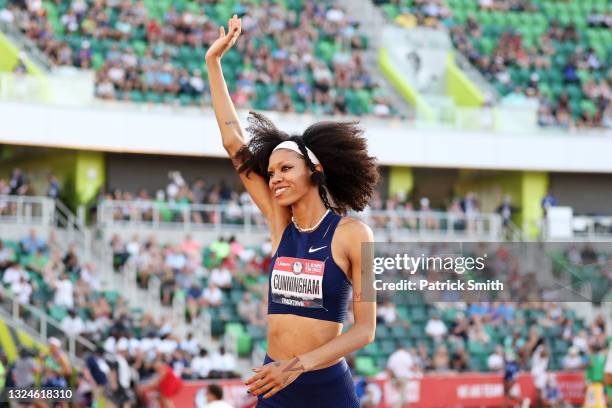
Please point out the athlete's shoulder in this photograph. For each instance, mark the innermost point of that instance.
(355, 230)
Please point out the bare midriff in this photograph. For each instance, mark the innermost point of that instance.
(291, 335)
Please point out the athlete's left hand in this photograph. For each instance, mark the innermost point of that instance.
(274, 376)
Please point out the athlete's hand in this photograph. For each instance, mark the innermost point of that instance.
(274, 376)
(225, 41)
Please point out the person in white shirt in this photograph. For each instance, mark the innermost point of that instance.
(435, 328)
(573, 361)
(401, 364)
(221, 277)
(73, 324)
(175, 259)
(167, 345)
(90, 276)
(22, 290)
(539, 366)
(387, 312)
(201, 365)
(64, 292)
(222, 364)
(212, 295)
(495, 362)
(13, 274)
(124, 373)
(190, 345)
(581, 342)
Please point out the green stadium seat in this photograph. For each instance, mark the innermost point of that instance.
(382, 332)
(365, 365)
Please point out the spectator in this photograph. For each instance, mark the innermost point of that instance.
(201, 365)
(54, 187)
(25, 369)
(214, 398)
(7, 256)
(506, 210)
(16, 182)
(441, 361)
(223, 365)
(165, 382)
(436, 328)
(32, 243)
(401, 364)
(247, 309)
(22, 290)
(573, 361)
(190, 345)
(387, 313)
(14, 273)
(212, 295)
(72, 324)
(495, 362)
(548, 201)
(64, 292)
(221, 277)
(550, 395)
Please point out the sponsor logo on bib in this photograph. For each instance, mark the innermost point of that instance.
(297, 282)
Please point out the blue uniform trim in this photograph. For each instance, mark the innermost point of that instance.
(315, 246)
(330, 387)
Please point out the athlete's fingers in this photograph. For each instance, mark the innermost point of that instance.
(262, 387)
(255, 377)
(273, 391)
(221, 32)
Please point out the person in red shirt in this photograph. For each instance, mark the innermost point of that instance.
(165, 382)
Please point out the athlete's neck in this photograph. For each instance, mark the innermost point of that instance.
(308, 211)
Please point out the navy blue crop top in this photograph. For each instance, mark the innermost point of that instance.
(304, 280)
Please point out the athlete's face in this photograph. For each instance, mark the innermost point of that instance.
(289, 176)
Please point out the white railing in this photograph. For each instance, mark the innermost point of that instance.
(44, 326)
(20, 210)
(592, 226)
(45, 213)
(224, 218)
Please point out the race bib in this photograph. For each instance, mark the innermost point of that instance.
(297, 282)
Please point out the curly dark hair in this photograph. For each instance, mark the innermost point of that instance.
(349, 173)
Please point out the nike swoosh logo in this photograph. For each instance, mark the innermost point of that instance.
(311, 249)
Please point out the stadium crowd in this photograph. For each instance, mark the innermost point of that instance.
(132, 345)
(560, 67)
(309, 58)
(511, 52)
(173, 204)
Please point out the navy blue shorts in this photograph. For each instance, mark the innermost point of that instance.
(330, 387)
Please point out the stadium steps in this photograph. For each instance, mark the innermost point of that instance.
(371, 22)
(28, 331)
(37, 58)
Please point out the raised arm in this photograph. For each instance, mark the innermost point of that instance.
(231, 131)
(227, 119)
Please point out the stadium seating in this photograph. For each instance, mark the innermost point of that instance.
(169, 40)
(520, 37)
(409, 331)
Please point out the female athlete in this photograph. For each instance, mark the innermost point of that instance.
(304, 185)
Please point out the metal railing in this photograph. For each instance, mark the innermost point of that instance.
(224, 218)
(35, 211)
(24, 43)
(45, 212)
(44, 326)
(592, 226)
